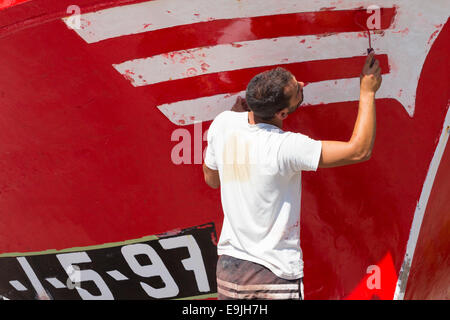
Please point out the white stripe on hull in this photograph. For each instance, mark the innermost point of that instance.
(188, 112)
(407, 42)
(240, 55)
(160, 14)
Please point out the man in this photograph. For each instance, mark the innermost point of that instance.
(258, 168)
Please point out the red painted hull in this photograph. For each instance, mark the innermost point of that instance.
(85, 159)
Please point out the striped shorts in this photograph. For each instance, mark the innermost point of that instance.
(240, 279)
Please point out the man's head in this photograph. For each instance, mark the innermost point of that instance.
(273, 93)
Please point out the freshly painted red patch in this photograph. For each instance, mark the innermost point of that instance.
(369, 289)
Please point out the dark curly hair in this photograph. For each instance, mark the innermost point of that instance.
(265, 94)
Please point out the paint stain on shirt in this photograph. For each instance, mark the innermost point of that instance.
(236, 160)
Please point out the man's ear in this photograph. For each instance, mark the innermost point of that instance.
(282, 114)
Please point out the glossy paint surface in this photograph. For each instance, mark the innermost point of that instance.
(430, 269)
(85, 156)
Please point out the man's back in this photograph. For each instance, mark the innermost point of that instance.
(259, 167)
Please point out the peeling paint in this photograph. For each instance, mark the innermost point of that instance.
(326, 34)
(432, 36)
(327, 8)
(402, 32)
(403, 277)
(129, 75)
(204, 66)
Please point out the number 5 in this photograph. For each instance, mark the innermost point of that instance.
(67, 261)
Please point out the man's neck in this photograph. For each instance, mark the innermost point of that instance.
(253, 119)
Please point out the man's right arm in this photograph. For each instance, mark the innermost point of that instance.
(359, 147)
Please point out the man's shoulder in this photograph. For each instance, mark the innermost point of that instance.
(227, 114)
(224, 117)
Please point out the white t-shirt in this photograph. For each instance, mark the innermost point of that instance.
(260, 183)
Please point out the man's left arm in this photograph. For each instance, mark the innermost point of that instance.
(211, 177)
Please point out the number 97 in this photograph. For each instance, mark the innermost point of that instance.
(157, 268)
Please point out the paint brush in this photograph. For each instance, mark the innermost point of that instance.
(361, 15)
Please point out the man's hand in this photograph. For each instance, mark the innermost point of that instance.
(240, 105)
(370, 76)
